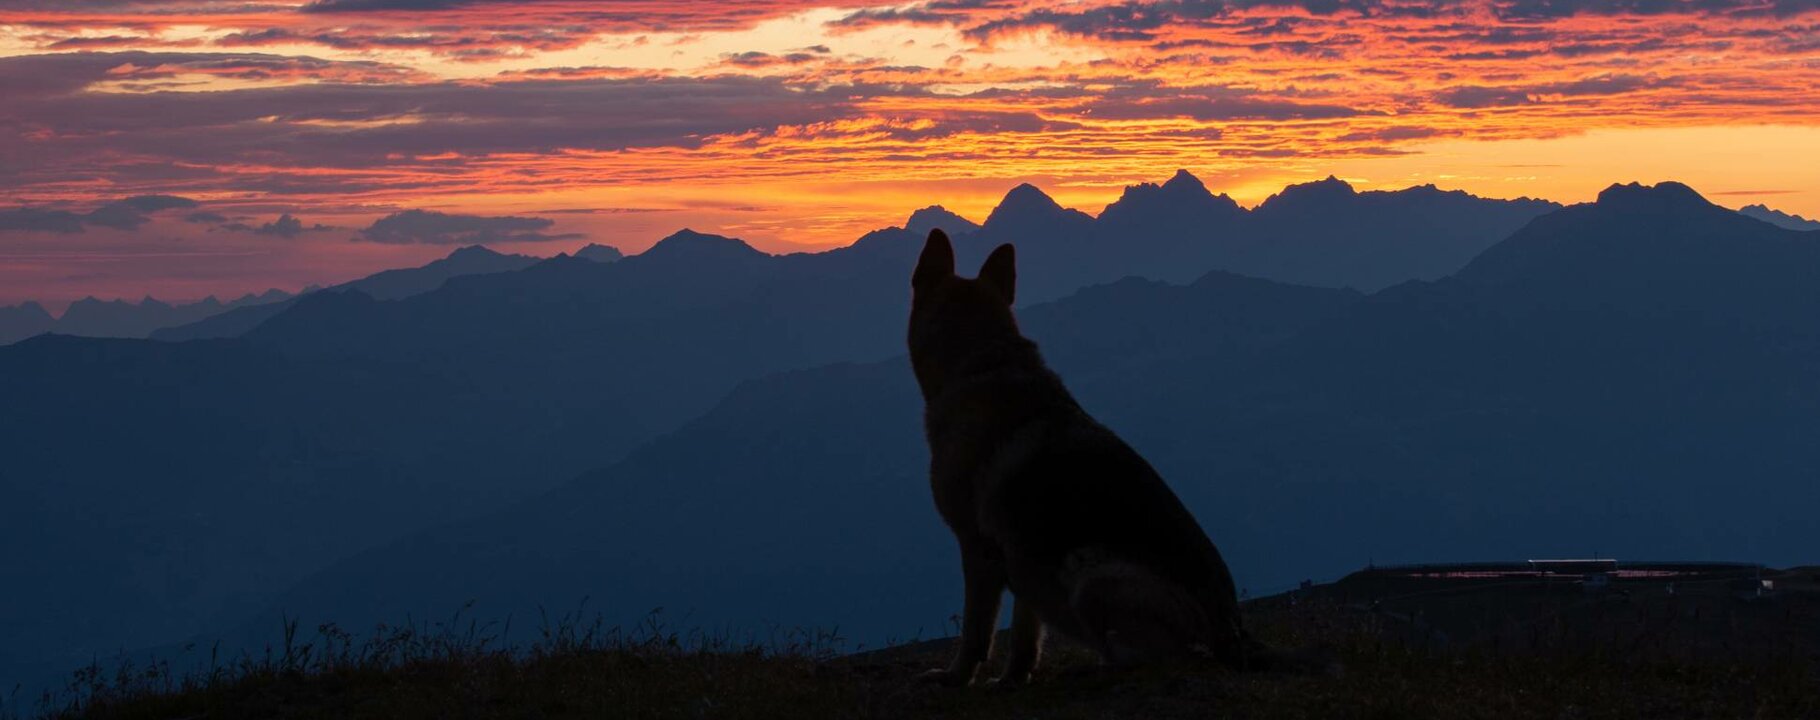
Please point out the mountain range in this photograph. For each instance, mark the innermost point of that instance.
(719, 431)
(384, 285)
(90, 317)
(209, 317)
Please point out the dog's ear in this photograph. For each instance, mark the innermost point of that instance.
(1000, 272)
(937, 262)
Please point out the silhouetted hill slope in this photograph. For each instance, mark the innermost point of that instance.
(530, 378)
(1778, 218)
(470, 260)
(1410, 648)
(1526, 408)
(155, 488)
(387, 285)
(800, 496)
(18, 322)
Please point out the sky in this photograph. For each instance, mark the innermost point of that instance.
(181, 148)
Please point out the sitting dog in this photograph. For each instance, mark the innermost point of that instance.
(1046, 501)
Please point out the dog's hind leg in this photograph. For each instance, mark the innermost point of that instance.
(1130, 615)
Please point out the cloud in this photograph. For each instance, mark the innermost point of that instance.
(39, 220)
(329, 6)
(1212, 104)
(1542, 9)
(285, 226)
(125, 214)
(429, 227)
(755, 59)
(205, 217)
(436, 117)
(156, 203)
(1475, 96)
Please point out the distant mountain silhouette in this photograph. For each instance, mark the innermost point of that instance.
(938, 217)
(90, 317)
(387, 285)
(18, 322)
(1779, 218)
(599, 253)
(1172, 231)
(1324, 233)
(690, 246)
(1631, 376)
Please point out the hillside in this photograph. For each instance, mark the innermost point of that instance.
(1379, 666)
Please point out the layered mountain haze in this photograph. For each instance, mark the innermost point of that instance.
(24, 320)
(385, 285)
(710, 428)
(90, 317)
(1779, 218)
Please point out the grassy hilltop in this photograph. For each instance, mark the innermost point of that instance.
(1408, 648)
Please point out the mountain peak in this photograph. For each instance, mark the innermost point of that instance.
(1184, 180)
(689, 244)
(473, 251)
(936, 216)
(1025, 204)
(1029, 196)
(1662, 196)
(1182, 198)
(1330, 185)
(1329, 189)
(599, 253)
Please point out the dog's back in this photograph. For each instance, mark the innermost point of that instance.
(1051, 503)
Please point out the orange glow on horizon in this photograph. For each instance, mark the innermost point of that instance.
(802, 125)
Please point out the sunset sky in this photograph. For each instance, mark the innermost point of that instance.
(547, 124)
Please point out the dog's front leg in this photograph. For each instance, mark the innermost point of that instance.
(1026, 644)
(985, 579)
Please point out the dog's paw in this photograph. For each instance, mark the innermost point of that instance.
(1008, 682)
(946, 677)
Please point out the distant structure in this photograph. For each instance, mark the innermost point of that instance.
(1595, 575)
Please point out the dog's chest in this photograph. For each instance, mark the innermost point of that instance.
(972, 457)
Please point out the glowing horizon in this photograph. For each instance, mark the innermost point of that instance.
(802, 125)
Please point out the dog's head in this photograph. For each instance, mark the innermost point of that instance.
(950, 315)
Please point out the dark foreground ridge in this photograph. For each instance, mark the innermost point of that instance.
(1457, 641)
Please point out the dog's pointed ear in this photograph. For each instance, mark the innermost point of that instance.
(937, 262)
(1000, 272)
